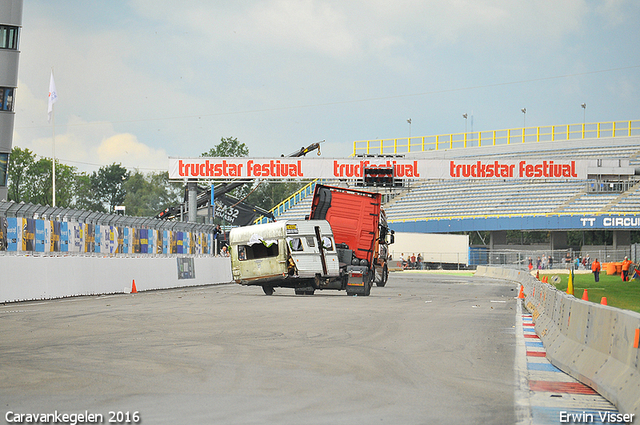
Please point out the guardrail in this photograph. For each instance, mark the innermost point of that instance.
(497, 137)
(594, 343)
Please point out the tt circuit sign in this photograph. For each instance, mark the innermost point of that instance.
(609, 222)
(536, 222)
(354, 168)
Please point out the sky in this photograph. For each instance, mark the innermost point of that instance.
(139, 81)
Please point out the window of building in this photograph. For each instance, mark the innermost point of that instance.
(8, 37)
(6, 98)
(4, 163)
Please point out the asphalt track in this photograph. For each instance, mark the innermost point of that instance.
(424, 349)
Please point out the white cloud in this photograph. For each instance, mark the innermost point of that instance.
(80, 143)
(127, 150)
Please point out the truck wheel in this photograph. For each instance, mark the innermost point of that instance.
(268, 290)
(304, 291)
(368, 283)
(383, 276)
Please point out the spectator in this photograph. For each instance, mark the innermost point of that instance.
(550, 262)
(567, 260)
(595, 269)
(625, 269)
(419, 259)
(413, 261)
(538, 264)
(403, 261)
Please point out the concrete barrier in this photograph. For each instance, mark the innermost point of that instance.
(32, 278)
(591, 342)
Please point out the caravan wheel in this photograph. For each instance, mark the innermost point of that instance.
(268, 290)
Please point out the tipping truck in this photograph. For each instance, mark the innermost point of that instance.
(342, 246)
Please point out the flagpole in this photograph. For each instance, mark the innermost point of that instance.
(53, 132)
(53, 137)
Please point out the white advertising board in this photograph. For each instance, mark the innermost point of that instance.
(352, 168)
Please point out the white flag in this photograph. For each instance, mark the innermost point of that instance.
(53, 95)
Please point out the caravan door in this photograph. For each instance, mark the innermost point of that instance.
(313, 248)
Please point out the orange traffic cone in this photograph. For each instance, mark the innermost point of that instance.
(603, 301)
(585, 295)
(133, 287)
(521, 294)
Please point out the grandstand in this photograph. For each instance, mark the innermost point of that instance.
(438, 199)
(496, 205)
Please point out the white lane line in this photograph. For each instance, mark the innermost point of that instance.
(522, 396)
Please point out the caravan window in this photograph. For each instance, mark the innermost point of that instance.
(295, 244)
(255, 251)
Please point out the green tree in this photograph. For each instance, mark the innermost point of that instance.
(148, 195)
(269, 194)
(40, 188)
(20, 161)
(86, 197)
(30, 179)
(108, 184)
(228, 147)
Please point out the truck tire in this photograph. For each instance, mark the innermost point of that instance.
(382, 276)
(368, 283)
(268, 290)
(305, 291)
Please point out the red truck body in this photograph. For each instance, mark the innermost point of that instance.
(354, 216)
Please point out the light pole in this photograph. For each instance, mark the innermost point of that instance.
(524, 117)
(465, 122)
(409, 121)
(584, 113)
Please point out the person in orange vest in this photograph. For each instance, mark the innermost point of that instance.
(625, 269)
(595, 268)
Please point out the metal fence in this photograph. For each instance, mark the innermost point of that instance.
(548, 259)
(498, 137)
(29, 228)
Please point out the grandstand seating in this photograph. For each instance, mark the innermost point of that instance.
(437, 199)
(433, 199)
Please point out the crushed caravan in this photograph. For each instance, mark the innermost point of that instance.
(295, 254)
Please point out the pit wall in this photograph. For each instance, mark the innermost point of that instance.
(596, 344)
(25, 278)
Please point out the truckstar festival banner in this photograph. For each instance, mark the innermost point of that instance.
(353, 168)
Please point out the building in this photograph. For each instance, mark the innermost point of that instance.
(10, 26)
